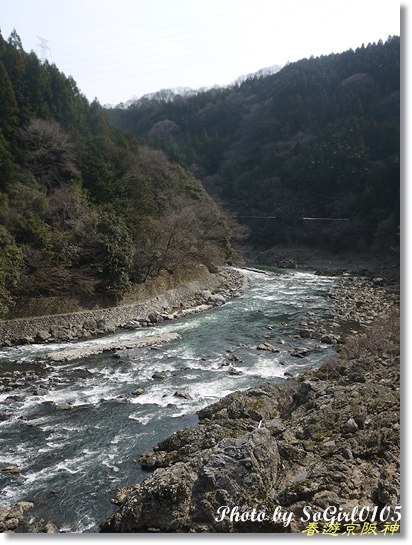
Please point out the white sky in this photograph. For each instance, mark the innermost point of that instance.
(119, 49)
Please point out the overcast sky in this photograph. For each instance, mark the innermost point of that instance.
(116, 50)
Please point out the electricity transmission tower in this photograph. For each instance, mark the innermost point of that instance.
(44, 48)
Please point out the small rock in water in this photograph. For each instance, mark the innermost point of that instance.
(330, 338)
(63, 407)
(267, 346)
(299, 352)
(50, 529)
(184, 395)
(11, 469)
(158, 376)
(235, 358)
(138, 392)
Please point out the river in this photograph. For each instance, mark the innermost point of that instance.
(72, 460)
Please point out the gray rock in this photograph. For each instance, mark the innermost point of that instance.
(26, 340)
(11, 470)
(184, 395)
(204, 295)
(132, 324)
(299, 352)
(216, 299)
(50, 528)
(42, 336)
(234, 358)
(267, 346)
(40, 391)
(90, 324)
(187, 495)
(138, 392)
(11, 523)
(350, 426)
(330, 338)
(63, 407)
(275, 427)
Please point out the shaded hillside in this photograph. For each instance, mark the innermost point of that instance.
(83, 207)
(319, 138)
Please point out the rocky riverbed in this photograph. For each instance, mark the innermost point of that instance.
(330, 437)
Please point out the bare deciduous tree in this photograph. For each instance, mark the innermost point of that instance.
(188, 233)
(48, 152)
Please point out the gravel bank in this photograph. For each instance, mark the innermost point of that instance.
(78, 353)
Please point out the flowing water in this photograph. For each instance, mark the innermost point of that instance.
(72, 460)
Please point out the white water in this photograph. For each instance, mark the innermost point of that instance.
(71, 461)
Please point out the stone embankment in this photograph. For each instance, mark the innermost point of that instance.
(213, 290)
(330, 437)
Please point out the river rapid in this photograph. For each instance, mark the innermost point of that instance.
(72, 460)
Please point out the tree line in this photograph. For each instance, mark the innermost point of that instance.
(318, 138)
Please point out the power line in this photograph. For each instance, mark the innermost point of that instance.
(150, 31)
(238, 53)
(159, 42)
(162, 60)
(158, 45)
(274, 217)
(197, 32)
(326, 219)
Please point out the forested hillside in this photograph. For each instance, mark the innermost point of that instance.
(83, 207)
(318, 139)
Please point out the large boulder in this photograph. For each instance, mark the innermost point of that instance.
(188, 495)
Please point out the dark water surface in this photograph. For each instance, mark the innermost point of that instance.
(72, 460)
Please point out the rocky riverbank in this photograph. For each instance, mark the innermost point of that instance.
(364, 263)
(213, 290)
(328, 438)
